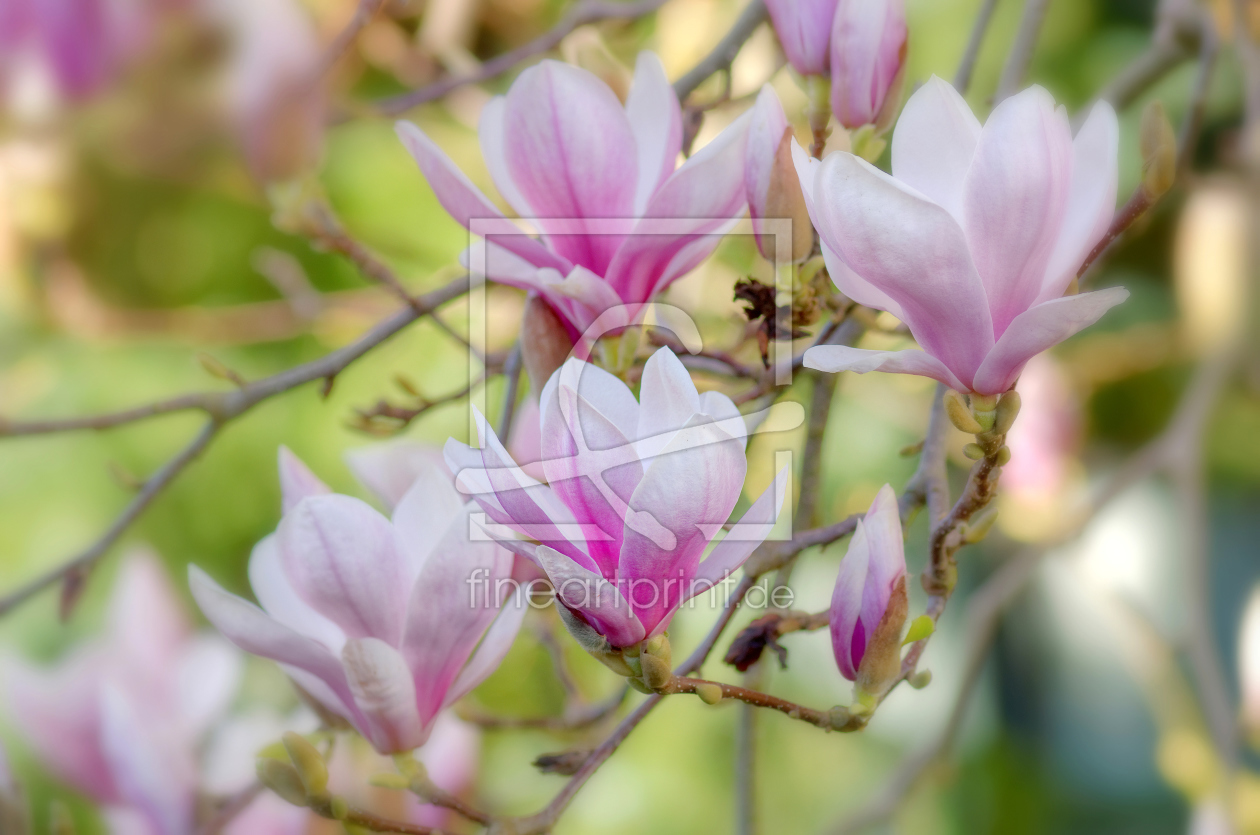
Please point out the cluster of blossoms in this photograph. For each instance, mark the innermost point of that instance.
(973, 241)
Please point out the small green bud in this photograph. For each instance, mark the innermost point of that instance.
(839, 717)
(282, 779)
(308, 762)
(638, 684)
(389, 781)
(656, 671)
(959, 413)
(920, 628)
(980, 525)
(984, 408)
(709, 693)
(920, 679)
(339, 808)
(1007, 411)
(1003, 456)
(973, 451)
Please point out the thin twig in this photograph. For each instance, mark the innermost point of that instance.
(587, 11)
(512, 371)
(363, 13)
(962, 78)
(723, 55)
(1021, 54)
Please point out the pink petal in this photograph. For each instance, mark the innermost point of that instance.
(385, 694)
(856, 287)
(656, 120)
(846, 604)
(207, 676)
(1091, 201)
(765, 132)
(1039, 328)
(341, 558)
(424, 515)
(276, 595)
(389, 469)
(868, 41)
(603, 392)
(152, 765)
(247, 626)
(590, 464)
(494, 646)
(297, 481)
(493, 137)
(595, 599)
(465, 202)
(1015, 197)
(693, 483)
(668, 399)
(934, 143)
(147, 624)
(697, 200)
(744, 536)
(837, 358)
(887, 556)
(913, 251)
(456, 599)
(804, 30)
(572, 155)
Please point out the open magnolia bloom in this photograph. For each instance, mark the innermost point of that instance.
(123, 719)
(868, 607)
(598, 179)
(383, 622)
(636, 491)
(974, 239)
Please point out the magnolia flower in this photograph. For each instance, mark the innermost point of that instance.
(383, 622)
(121, 719)
(774, 192)
(868, 61)
(635, 492)
(974, 239)
(1045, 439)
(619, 223)
(804, 30)
(79, 44)
(273, 94)
(868, 607)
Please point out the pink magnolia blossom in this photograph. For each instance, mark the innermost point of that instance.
(618, 222)
(872, 575)
(382, 621)
(868, 57)
(1047, 436)
(636, 490)
(276, 104)
(804, 30)
(81, 43)
(121, 718)
(975, 237)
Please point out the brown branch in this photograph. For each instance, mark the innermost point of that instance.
(723, 55)
(371, 822)
(221, 407)
(586, 11)
(363, 13)
(962, 78)
(819, 718)
(385, 419)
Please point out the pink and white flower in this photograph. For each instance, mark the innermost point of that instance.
(804, 30)
(636, 491)
(869, 602)
(598, 179)
(384, 621)
(121, 719)
(974, 238)
(868, 61)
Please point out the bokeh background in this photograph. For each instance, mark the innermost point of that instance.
(135, 242)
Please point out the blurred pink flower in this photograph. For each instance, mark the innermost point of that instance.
(383, 622)
(804, 30)
(120, 719)
(635, 492)
(872, 573)
(1045, 439)
(81, 44)
(868, 57)
(619, 223)
(974, 239)
(275, 97)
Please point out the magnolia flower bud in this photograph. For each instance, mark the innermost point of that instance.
(283, 779)
(774, 190)
(709, 693)
(1158, 143)
(868, 57)
(868, 607)
(545, 342)
(804, 30)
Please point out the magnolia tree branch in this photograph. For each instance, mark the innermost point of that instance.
(723, 55)
(962, 78)
(584, 12)
(1021, 54)
(221, 407)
